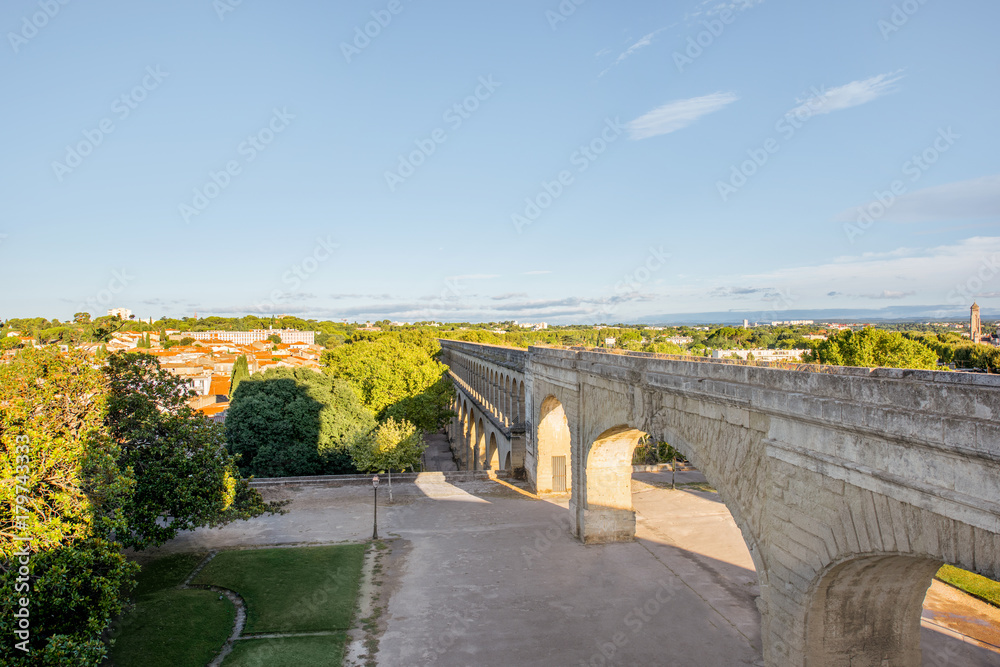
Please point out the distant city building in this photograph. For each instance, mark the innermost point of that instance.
(975, 324)
(287, 336)
(746, 324)
(123, 313)
(791, 323)
(680, 340)
(760, 354)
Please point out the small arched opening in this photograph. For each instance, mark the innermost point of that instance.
(493, 454)
(554, 473)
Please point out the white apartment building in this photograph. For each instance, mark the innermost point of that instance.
(249, 337)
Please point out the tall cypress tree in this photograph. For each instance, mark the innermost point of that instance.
(241, 371)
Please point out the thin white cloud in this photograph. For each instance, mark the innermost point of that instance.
(677, 115)
(849, 95)
(973, 199)
(709, 8)
(642, 43)
(934, 273)
(887, 294)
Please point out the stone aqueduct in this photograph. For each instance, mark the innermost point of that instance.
(850, 486)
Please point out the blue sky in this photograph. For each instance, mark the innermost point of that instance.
(518, 160)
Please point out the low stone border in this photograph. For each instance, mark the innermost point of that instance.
(366, 480)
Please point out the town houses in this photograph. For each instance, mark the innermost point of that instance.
(207, 364)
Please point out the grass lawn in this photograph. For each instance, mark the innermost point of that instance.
(973, 584)
(305, 589)
(326, 651)
(170, 627)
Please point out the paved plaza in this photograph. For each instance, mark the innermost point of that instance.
(483, 574)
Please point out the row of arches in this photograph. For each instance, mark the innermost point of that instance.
(856, 607)
(475, 440)
(501, 392)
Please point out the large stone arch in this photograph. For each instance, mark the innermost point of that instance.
(866, 611)
(608, 512)
(553, 442)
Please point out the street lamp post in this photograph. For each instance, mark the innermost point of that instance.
(375, 486)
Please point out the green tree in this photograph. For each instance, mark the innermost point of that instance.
(56, 453)
(394, 368)
(872, 348)
(184, 475)
(275, 338)
(392, 445)
(286, 422)
(241, 371)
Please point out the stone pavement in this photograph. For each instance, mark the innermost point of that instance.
(437, 456)
(480, 574)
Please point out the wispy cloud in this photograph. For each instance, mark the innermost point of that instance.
(677, 115)
(709, 8)
(849, 95)
(973, 199)
(642, 43)
(887, 294)
(743, 292)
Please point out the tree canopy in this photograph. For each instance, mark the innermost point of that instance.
(92, 460)
(285, 422)
(873, 348)
(395, 374)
